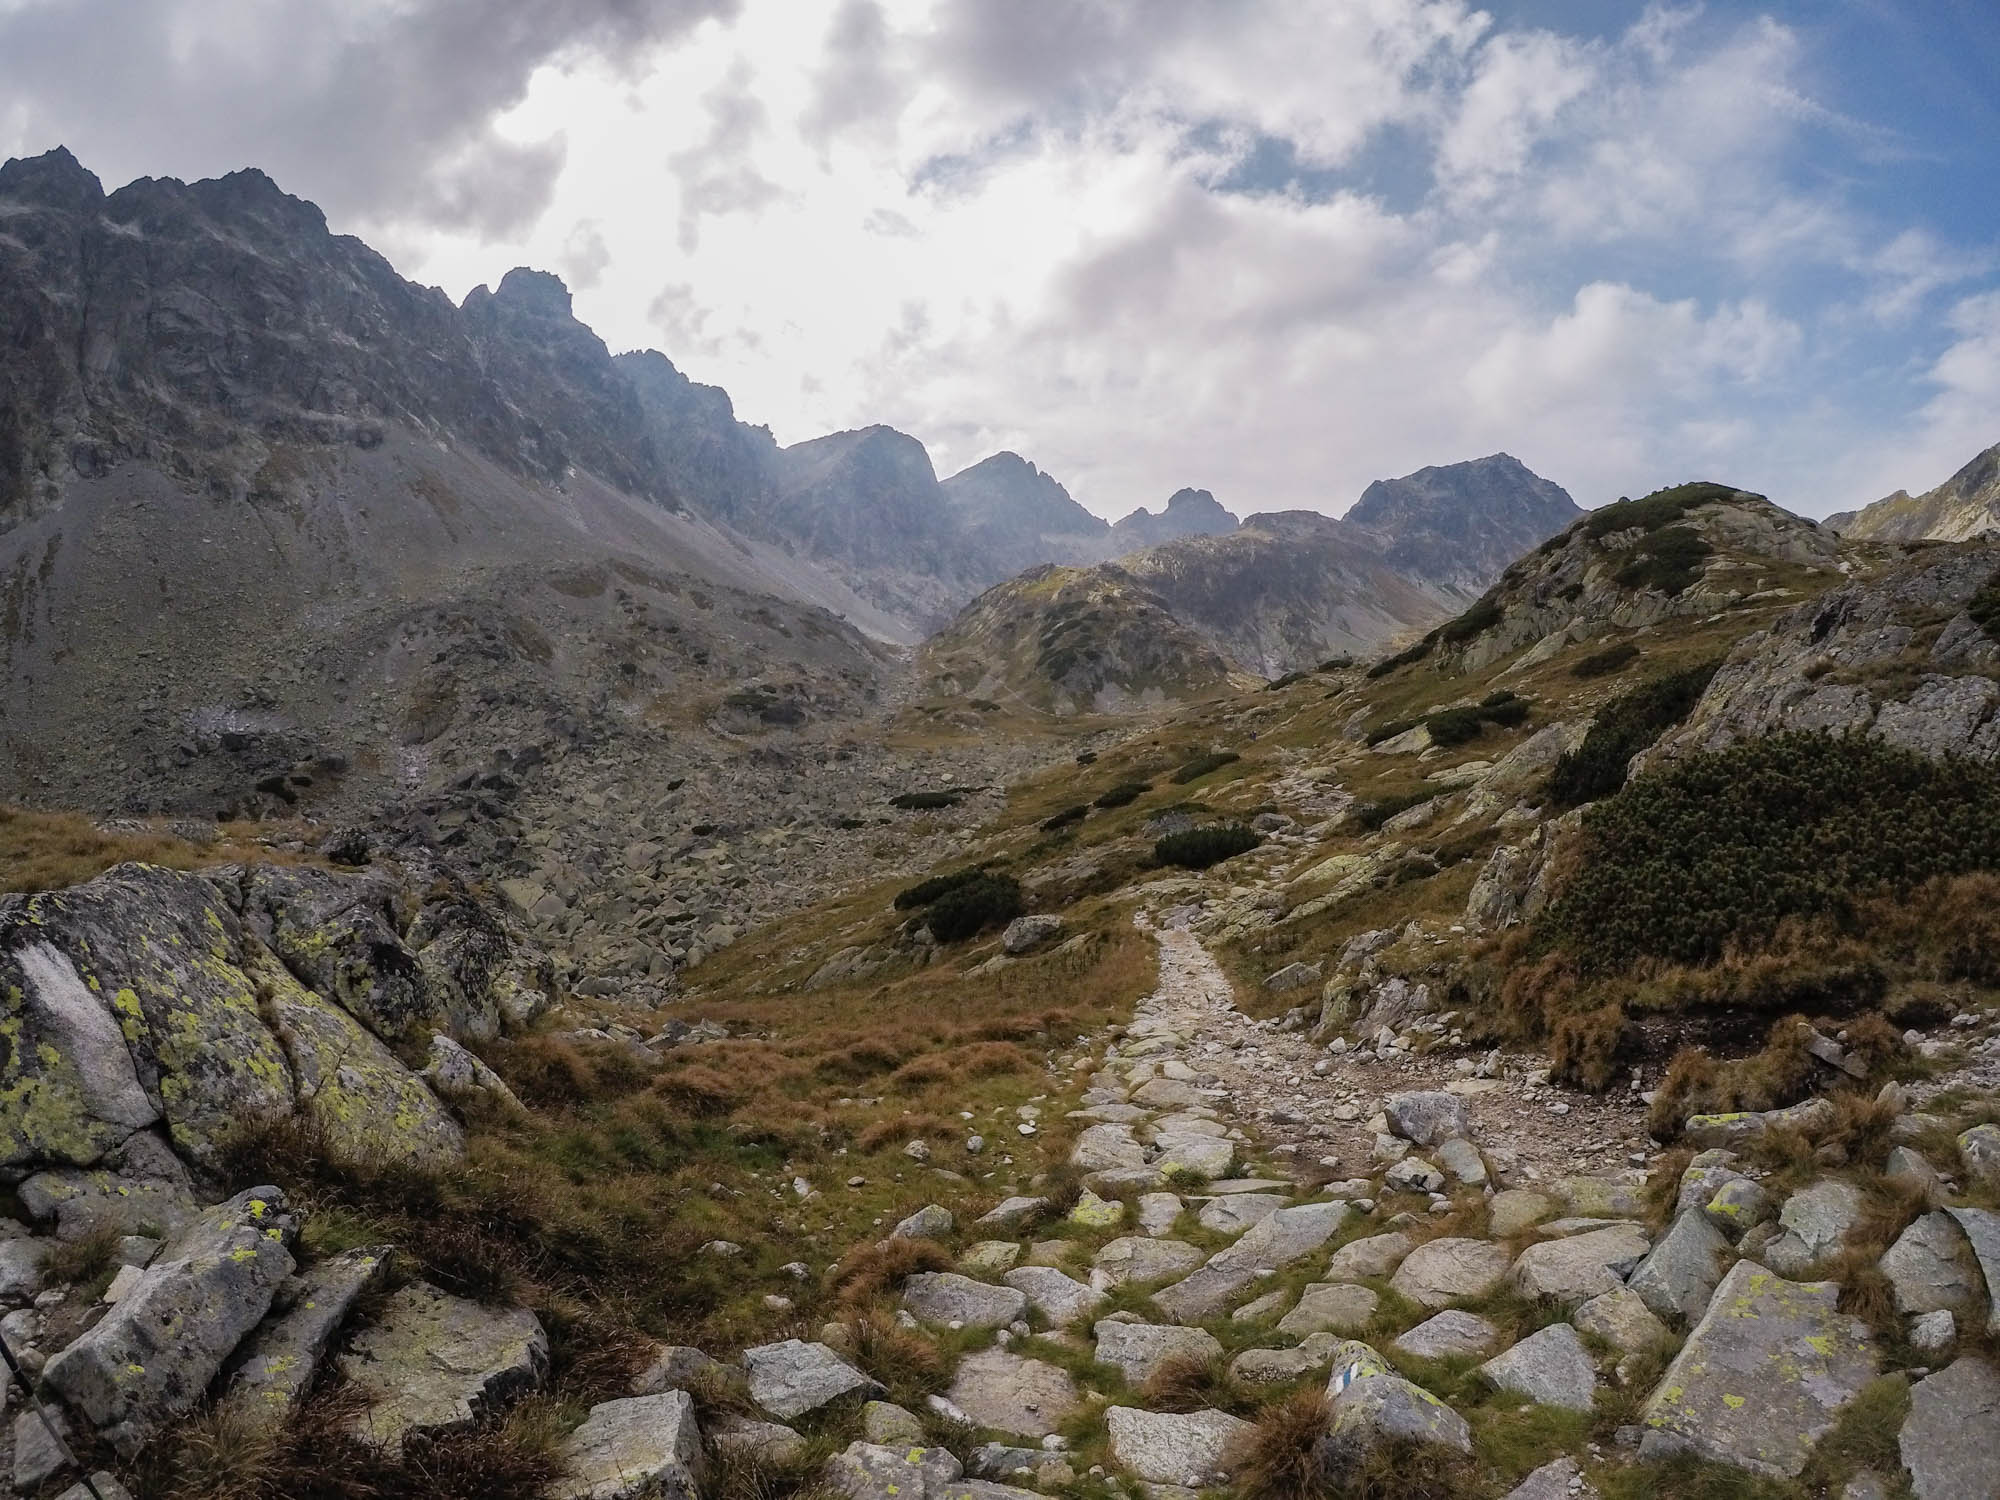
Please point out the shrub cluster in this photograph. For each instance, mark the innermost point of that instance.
(1628, 724)
(1667, 560)
(1063, 819)
(1718, 850)
(1123, 793)
(1458, 726)
(924, 892)
(1406, 657)
(1482, 616)
(1661, 508)
(1603, 663)
(927, 801)
(969, 909)
(1198, 848)
(1372, 815)
(1201, 765)
(1984, 607)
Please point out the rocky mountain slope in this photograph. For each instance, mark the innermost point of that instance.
(1020, 517)
(1188, 512)
(1458, 525)
(1966, 505)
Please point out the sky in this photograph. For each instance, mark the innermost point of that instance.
(1271, 248)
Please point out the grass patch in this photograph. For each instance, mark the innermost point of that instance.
(1603, 663)
(1652, 512)
(42, 851)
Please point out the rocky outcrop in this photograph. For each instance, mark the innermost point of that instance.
(1965, 506)
(1188, 512)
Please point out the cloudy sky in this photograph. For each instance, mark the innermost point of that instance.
(1276, 248)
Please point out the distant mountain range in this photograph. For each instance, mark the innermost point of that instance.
(1965, 506)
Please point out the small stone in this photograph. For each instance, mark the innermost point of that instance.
(885, 1422)
(932, 1222)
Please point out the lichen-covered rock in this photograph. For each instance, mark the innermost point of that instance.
(1003, 1391)
(870, 1471)
(454, 1072)
(634, 1446)
(153, 1355)
(1816, 1222)
(1947, 1439)
(1189, 1449)
(282, 1356)
(1763, 1377)
(1331, 1307)
(791, 1378)
(1372, 1404)
(140, 1184)
(433, 1363)
(1622, 1321)
(1138, 1258)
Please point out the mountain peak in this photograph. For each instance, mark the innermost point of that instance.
(1460, 524)
(1188, 512)
(55, 179)
(538, 293)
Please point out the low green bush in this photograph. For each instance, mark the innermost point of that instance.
(1372, 815)
(1628, 724)
(1650, 513)
(1984, 607)
(1124, 793)
(926, 801)
(1668, 560)
(924, 892)
(967, 910)
(1408, 656)
(1454, 726)
(1603, 663)
(1717, 850)
(1276, 683)
(1198, 848)
(1481, 617)
(1064, 818)
(1201, 765)
(1390, 730)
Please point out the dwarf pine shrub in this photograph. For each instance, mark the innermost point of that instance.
(1628, 724)
(969, 909)
(1198, 848)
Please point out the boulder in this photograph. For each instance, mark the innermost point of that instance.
(1947, 1439)
(21, 1270)
(1102, 1147)
(282, 1356)
(1550, 1367)
(1763, 1377)
(1372, 1257)
(1011, 1213)
(1205, 1156)
(1559, 1479)
(792, 1378)
(932, 1222)
(1412, 1175)
(1451, 1334)
(635, 1446)
(1462, 1161)
(1515, 1209)
(1024, 934)
(1816, 1221)
(1371, 1404)
(1738, 1206)
(886, 1422)
(1189, 1449)
(1982, 1231)
(1030, 1465)
(1158, 1213)
(1286, 1236)
(946, 1298)
(1010, 1394)
(1622, 1320)
(673, 1367)
(1060, 1299)
(1280, 1366)
(1679, 1274)
(150, 1191)
(1979, 1147)
(153, 1356)
(1236, 1212)
(455, 1073)
(990, 1258)
(1294, 976)
(434, 1363)
(764, 1442)
(1093, 1212)
(1931, 1267)
(1601, 1197)
(1587, 1265)
(1136, 1350)
(1428, 1118)
(1331, 1307)
(870, 1471)
(1140, 1259)
(1444, 1271)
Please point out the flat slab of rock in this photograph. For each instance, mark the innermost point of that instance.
(1102, 1147)
(767, 1442)
(1061, 1299)
(1584, 1266)
(1763, 1377)
(1158, 1213)
(1331, 1307)
(284, 1353)
(945, 1297)
(1550, 1368)
(1515, 1209)
(640, 1445)
(1239, 1211)
(433, 1363)
(1166, 1093)
(1136, 1350)
(792, 1378)
(1556, 1480)
(1189, 1449)
(990, 1258)
(1451, 1334)
(1011, 1213)
(1816, 1222)
(153, 1356)
(1286, 1236)
(1205, 1155)
(1375, 1256)
(1947, 1439)
(1140, 1258)
(1011, 1394)
(1277, 1366)
(872, 1471)
(1248, 1185)
(1443, 1271)
(1601, 1197)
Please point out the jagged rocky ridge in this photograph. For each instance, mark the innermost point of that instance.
(1965, 506)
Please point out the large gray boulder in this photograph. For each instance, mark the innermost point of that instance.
(1023, 1397)
(155, 1353)
(1763, 1377)
(1451, 1334)
(791, 1378)
(1286, 1236)
(1449, 1270)
(1982, 1230)
(1188, 1449)
(1061, 1299)
(1373, 1256)
(1141, 1258)
(434, 1363)
(1372, 1404)
(1235, 1212)
(1931, 1269)
(947, 1298)
(1105, 1147)
(1428, 1118)
(1622, 1321)
(1550, 1367)
(1816, 1222)
(1583, 1266)
(1280, 1366)
(1136, 1350)
(870, 1471)
(1331, 1307)
(1947, 1439)
(1679, 1275)
(636, 1446)
(281, 1358)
